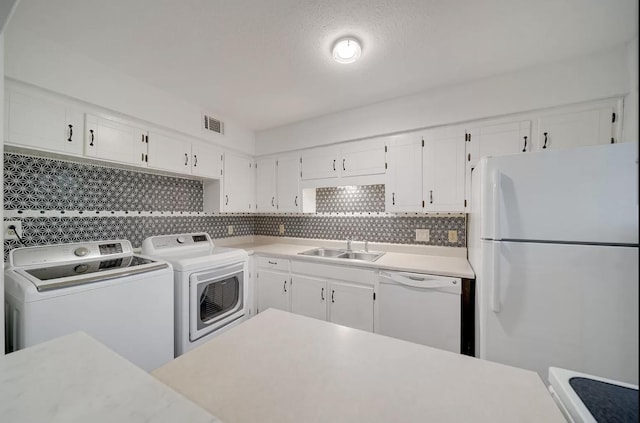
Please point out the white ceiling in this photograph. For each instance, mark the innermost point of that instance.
(266, 63)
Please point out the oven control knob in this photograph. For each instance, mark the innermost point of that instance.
(181, 240)
(81, 252)
(81, 268)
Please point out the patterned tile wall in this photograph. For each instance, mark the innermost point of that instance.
(38, 183)
(357, 199)
(392, 229)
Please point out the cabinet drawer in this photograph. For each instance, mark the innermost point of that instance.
(328, 271)
(274, 263)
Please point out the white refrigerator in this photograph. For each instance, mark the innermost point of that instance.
(553, 240)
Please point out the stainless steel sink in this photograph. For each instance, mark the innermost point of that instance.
(343, 254)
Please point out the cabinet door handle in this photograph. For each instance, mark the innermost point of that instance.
(227, 200)
(272, 262)
(334, 165)
(142, 157)
(431, 196)
(91, 143)
(285, 286)
(322, 294)
(273, 199)
(332, 292)
(524, 150)
(195, 160)
(295, 201)
(545, 140)
(70, 133)
(186, 159)
(343, 167)
(393, 198)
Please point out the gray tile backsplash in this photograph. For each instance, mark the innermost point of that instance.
(43, 184)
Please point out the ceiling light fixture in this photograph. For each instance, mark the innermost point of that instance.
(346, 50)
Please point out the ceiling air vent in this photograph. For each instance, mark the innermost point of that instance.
(213, 124)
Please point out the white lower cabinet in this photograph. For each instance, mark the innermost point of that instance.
(351, 305)
(273, 290)
(309, 296)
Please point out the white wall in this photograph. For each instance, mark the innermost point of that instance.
(46, 64)
(585, 78)
(630, 120)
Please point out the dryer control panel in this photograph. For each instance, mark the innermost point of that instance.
(176, 241)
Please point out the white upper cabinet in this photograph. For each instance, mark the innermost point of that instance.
(575, 129)
(42, 123)
(403, 190)
(288, 184)
(206, 160)
(498, 140)
(266, 185)
(169, 153)
(238, 183)
(320, 163)
(358, 158)
(114, 141)
(444, 170)
(363, 157)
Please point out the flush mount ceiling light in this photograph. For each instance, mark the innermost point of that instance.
(346, 50)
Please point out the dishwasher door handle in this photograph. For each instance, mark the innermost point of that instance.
(421, 281)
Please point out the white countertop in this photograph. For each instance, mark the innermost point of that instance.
(77, 379)
(281, 367)
(444, 261)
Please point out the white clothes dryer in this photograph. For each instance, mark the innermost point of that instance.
(211, 285)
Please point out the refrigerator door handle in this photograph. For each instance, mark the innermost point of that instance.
(497, 192)
(495, 278)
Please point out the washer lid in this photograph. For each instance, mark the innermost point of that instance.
(589, 398)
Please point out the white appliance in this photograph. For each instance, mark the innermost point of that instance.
(554, 245)
(584, 398)
(211, 285)
(123, 300)
(424, 309)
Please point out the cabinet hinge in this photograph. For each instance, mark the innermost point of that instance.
(465, 203)
(423, 142)
(374, 296)
(146, 139)
(220, 172)
(613, 140)
(146, 158)
(256, 165)
(301, 174)
(469, 157)
(221, 157)
(385, 148)
(385, 165)
(276, 163)
(469, 137)
(613, 117)
(300, 160)
(422, 203)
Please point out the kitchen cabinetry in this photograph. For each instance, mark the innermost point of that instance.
(278, 184)
(358, 158)
(339, 294)
(443, 170)
(266, 185)
(309, 296)
(576, 128)
(115, 141)
(43, 123)
(168, 153)
(273, 283)
(238, 184)
(206, 160)
(498, 140)
(403, 190)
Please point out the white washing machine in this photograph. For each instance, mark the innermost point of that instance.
(123, 300)
(211, 285)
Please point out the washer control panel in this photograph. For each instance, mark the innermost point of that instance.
(64, 253)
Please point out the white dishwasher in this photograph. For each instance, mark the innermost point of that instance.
(420, 308)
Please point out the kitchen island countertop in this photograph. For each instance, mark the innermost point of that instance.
(75, 378)
(281, 367)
